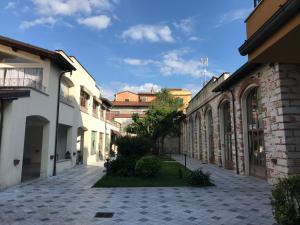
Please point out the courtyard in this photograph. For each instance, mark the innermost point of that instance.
(69, 199)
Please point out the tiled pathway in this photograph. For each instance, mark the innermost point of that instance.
(69, 199)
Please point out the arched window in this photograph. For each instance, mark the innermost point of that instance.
(210, 136)
(255, 134)
(199, 136)
(226, 135)
(191, 140)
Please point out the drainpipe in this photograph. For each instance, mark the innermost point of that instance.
(105, 141)
(57, 120)
(1, 121)
(235, 138)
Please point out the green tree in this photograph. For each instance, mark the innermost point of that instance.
(161, 119)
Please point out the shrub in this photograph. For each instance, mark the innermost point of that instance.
(134, 147)
(180, 174)
(199, 178)
(286, 201)
(147, 166)
(121, 166)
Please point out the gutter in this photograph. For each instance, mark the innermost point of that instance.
(1, 121)
(278, 20)
(57, 119)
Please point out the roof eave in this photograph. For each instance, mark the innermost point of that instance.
(285, 13)
(236, 76)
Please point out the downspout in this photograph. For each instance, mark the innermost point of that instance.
(57, 120)
(235, 138)
(105, 141)
(1, 121)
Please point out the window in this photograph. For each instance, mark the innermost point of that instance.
(126, 100)
(143, 99)
(95, 107)
(210, 136)
(257, 156)
(93, 143)
(227, 135)
(84, 97)
(101, 136)
(199, 136)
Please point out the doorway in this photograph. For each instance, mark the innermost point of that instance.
(33, 147)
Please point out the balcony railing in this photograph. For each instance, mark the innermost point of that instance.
(22, 82)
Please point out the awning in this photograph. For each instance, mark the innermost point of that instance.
(83, 128)
(86, 90)
(97, 99)
(67, 81)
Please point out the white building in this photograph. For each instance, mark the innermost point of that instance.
(29, 86)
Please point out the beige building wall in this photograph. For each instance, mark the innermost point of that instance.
(86, 118)
(29, 124)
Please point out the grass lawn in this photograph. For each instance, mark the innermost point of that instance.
(165, 158)
(168, 177)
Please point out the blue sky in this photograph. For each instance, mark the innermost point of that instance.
(136, 44)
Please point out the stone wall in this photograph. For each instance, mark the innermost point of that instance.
(280, 106)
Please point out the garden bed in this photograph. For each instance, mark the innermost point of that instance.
(169, 176)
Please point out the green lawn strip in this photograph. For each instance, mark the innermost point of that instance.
(165, 158)
(168, 177)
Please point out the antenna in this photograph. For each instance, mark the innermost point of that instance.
(204, 62)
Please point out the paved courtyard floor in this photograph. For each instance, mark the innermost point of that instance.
(69, 199)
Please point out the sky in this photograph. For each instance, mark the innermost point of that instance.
(136, 44)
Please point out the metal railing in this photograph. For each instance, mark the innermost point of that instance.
(22, 82)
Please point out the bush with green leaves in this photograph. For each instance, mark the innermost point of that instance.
(121, 166)
(147, 166)
(134, 147)
(286, 200)
(199, 178)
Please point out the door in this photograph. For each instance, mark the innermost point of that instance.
(93, 143)
(257, 155)
(227, 136)
(210, 134)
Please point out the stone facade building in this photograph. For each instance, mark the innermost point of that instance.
(249, 122)
(251, 126)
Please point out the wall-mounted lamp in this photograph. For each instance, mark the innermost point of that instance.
(16, 162)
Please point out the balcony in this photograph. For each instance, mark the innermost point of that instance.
(22, 83)
(273, 32)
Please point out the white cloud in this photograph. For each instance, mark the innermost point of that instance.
(50, 21)
(152, 33)
(146, 87)
(234, 15)
(70, 7)
(194, 38)
(97, 22)
(82, 11)
(139, 62)
(173, 62)
(185, 25)
(107, 92)
(10, 5)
